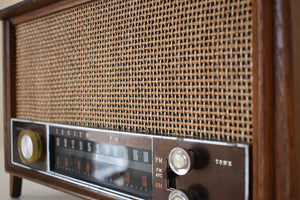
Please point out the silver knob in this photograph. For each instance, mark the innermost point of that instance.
(180, 160)
(178, 195)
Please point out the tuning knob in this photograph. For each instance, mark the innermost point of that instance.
(180, 160)
(29, 146)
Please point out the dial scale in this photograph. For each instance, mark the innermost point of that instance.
(133, 166)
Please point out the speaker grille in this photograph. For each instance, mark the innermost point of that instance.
(177, 68)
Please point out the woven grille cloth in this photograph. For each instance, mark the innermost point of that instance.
(176, 68)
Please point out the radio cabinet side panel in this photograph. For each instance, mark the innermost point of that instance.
(284, 129)
(295, 6)
(8, 82)
(263, 101)
(9, 103)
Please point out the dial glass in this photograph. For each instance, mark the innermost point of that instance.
(110, 160)
(26, 146)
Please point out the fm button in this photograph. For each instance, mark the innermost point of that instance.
(180, 160)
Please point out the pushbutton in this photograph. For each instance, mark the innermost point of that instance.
(178, 195)
(180, 160)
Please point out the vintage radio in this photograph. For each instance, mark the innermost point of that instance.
(151, 99)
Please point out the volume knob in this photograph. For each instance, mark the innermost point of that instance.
(180, 160)
(29, 146)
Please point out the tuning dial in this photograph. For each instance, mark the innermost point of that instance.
(180, 160)
(29, 146)
(178, 195)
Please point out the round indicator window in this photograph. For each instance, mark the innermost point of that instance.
(26, 146)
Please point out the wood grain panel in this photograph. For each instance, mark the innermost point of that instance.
(8, 82)
(24, 6)
(295, 16)
(263, 89)
(284, 111)
(61, 5)
(15, 186)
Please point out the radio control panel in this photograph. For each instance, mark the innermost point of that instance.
(133, 166)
